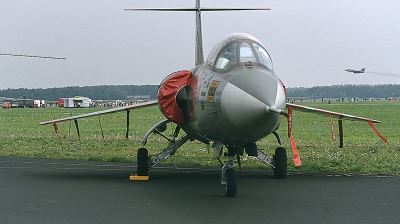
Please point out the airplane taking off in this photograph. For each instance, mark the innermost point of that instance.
(355, 71)
(231, 100)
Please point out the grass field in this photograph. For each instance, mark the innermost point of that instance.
(363, 152)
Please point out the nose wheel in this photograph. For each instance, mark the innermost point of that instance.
(231, 183)
(228, 174)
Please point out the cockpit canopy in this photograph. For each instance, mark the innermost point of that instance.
(237, 48)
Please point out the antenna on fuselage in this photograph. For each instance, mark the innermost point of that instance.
(199, 57)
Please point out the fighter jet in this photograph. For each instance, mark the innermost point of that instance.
(229, 101)
(355, 71)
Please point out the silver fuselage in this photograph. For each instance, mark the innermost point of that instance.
(230, 106)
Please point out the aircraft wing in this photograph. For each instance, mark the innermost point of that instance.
(129, 107)
(330, 113)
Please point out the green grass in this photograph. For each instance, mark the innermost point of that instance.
(363, 152)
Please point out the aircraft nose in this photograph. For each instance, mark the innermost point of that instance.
(251, 104)
(263, 86)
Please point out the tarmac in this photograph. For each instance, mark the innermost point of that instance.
(63, 191)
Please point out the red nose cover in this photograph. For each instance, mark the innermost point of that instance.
(167, 95)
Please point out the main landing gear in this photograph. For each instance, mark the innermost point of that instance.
(228, 171)
(280, 163)
(144, 162)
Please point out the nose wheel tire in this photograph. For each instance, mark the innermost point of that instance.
(231, 183)
(142, 162)
(280, 163)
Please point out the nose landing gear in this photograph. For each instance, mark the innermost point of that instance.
(231, 183)
(228, 176)
(228, 172)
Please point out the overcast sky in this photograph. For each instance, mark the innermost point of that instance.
(310, 42)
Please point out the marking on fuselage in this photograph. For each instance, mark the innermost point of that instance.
(212, 90)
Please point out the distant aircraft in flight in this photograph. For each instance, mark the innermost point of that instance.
(32, 56)
(230, 100)
(355, 71)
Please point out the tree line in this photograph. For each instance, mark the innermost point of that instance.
(347, 91)
(121, 92)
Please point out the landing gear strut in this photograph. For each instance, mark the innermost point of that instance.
(228, 173)
(144, 163)
(278, 163)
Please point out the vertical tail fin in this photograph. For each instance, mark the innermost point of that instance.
(199, 57)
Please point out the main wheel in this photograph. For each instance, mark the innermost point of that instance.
(142, 162)
(231, 183)
(280, 163)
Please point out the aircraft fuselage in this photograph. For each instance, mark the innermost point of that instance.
(229, 95)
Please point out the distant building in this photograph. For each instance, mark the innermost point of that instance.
(22, 103)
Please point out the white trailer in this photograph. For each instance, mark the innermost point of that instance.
(75, 102)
